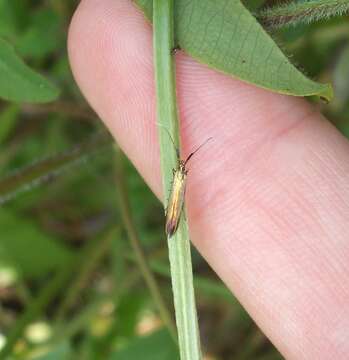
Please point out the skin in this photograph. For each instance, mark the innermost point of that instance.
(268, 200)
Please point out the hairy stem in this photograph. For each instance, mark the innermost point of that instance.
(41, 171)
(302, 12)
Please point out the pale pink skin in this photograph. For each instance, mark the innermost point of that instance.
(267, 199)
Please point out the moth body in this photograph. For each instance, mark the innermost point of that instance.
(176, 200)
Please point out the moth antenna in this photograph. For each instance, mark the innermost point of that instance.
(195, 151)
(174, 145)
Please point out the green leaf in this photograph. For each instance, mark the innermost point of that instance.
(20, 83)
(225, 36)
(28, 249)
(156, 346)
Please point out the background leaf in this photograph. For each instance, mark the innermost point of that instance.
(156, 346)
(27, 248)
(225, 36)
(18, 82)
(42, 37)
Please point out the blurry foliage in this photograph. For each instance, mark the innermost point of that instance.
(29, 263)
(64, 256)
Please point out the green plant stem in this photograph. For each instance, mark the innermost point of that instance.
(36, 307)
(141, 259)
(72, 110)
(179, 243)
(296, 12)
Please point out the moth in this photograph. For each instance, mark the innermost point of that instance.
(176, 200)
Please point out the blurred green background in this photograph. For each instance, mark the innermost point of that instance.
(70, 284)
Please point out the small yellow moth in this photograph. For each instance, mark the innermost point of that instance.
(176, 199)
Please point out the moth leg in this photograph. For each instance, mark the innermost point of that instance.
(183, 213)
(183, 207)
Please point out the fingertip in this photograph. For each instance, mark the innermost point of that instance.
(110, 51)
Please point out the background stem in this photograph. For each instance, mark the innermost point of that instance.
(140, 256)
